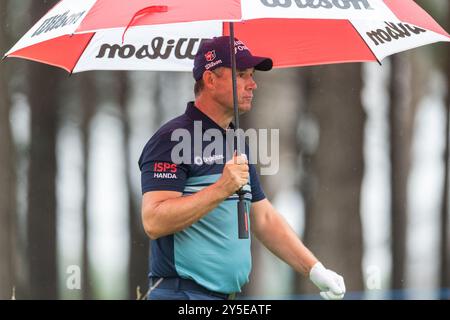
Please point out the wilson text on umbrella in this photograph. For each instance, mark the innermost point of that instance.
(393, 31)
(315, 4)
(158, 49)
(58, 21)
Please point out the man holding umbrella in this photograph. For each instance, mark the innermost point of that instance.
(189, 207)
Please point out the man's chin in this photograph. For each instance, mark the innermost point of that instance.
(244, 108)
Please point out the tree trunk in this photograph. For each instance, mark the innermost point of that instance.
(158, 103)
(401, 123)
(88, 109)
(333, 228)
(43, 96)
(138, 258)
(256, 279)
(445, 233)
(305, 146)
(7, 173)
(277, 89)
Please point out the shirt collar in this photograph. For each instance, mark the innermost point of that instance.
(207, 123)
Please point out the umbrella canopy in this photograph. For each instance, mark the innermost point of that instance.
(165, 35)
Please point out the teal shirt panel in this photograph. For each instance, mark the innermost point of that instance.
(210, 251)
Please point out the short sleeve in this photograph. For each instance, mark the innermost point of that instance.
(257, 191)
(158, 171)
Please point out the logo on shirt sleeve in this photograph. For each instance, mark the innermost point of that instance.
(165, 170)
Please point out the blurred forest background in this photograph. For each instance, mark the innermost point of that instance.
(362, 174)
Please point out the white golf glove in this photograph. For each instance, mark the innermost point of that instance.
(331, 284)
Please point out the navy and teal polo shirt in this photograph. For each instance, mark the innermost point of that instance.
(209, 251)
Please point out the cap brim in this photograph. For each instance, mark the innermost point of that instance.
(259, 63)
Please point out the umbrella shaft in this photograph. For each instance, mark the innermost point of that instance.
(242, 215)
(233, 79)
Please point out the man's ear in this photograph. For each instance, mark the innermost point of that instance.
(208, 79)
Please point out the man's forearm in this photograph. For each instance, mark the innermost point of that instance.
(276, 234)
(175, 214)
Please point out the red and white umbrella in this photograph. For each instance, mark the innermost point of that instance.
(165, 34)
(80, 35)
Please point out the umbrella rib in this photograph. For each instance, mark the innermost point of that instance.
(85, 46)
(364, 41)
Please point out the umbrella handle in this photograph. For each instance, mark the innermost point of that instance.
(242, 217)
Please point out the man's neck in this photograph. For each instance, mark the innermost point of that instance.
(215, 112)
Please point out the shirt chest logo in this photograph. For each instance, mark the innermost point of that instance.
(209, 160)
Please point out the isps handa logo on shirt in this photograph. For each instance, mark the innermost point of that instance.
(164, 170)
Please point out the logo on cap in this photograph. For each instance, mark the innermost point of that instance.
(240, 46)
(210, 55)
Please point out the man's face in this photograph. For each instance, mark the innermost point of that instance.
(223, 89)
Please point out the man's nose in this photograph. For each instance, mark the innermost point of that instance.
(252, 84)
